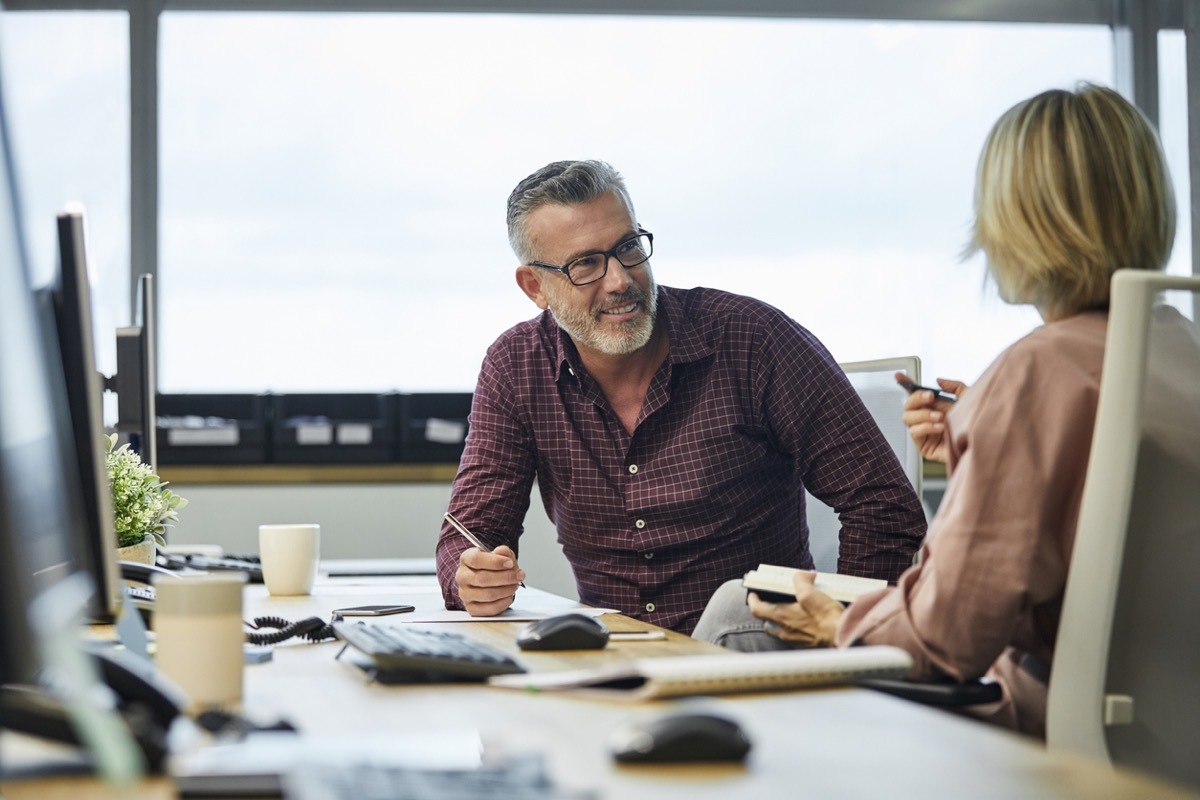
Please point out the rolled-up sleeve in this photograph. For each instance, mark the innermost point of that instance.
(843, 458)
(490, 495)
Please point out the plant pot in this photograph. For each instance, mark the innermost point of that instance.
(143, 552)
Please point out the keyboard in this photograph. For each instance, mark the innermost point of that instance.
(249, 564)
(141, 598)
(520, 779)
(136, 591)
(404, 654)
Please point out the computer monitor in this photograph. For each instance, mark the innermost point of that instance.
(67, 306)
(136, 380)
(39, 487)
(43, 594)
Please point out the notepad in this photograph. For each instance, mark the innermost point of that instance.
(677, 676)
(775, 584)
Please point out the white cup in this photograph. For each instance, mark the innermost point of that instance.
(290, 555)
(198, 635)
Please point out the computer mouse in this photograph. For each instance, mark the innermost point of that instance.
(564, 632)
(680, 737)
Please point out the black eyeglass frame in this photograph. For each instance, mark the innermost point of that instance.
(607, 255)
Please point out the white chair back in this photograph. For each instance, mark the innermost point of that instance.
(1123, 687)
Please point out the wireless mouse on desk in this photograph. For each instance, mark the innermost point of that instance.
(680, 737)
(564, 632)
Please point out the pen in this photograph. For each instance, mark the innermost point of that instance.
(470, 537)
(938, 394)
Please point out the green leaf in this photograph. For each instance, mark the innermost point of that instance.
(142, 505)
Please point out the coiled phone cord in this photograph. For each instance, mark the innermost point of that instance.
(314, 629)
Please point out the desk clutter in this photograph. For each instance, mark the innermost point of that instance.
(390, 427)
(310, 726)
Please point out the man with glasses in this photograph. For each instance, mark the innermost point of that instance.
(672, 432)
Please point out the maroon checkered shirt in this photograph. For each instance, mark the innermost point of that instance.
(747, 411)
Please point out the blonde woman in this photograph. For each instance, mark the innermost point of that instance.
(1071, 186)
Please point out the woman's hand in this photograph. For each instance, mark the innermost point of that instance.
(811, 621)
(925, 417)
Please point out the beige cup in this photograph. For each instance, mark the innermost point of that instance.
(290, 555)
(199, 638)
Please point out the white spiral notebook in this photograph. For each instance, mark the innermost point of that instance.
(675, 676)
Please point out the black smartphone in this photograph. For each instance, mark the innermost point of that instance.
(938, 394)
(373, 611)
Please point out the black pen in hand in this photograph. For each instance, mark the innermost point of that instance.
(938, 394)
(470, 537)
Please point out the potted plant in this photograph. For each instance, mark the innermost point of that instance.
(143, 506)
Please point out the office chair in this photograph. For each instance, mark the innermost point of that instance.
(876, 385)
(1123, 684)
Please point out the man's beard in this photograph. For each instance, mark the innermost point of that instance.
(587, 330)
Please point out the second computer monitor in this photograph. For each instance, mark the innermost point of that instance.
(136, 379)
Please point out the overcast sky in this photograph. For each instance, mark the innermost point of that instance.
(332, 188)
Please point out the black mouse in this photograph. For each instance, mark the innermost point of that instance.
(564, 632)
(680, 737)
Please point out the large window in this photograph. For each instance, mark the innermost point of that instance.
(1173, 126)
(333, 186)
(67, 97)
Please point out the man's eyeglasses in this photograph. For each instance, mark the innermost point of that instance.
(594, 266)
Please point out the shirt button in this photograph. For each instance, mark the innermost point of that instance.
(650, 607)
(641, 523)
(647, 556)
(633, 469)
(570, 370)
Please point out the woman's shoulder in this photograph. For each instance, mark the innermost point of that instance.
(1054, 351)
(1044, 387)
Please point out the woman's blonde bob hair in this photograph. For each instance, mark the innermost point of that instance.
(1071, 187)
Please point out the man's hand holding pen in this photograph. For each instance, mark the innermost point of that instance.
(487, 580)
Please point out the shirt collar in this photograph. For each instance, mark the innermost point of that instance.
(691, 338)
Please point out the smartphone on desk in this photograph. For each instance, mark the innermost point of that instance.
(381, 610)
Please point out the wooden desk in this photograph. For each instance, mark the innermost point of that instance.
(850, 743)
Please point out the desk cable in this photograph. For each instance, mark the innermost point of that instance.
(314, 629)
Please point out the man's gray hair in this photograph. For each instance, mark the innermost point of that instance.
(559, 183)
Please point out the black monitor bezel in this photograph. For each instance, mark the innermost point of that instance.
(96, 539)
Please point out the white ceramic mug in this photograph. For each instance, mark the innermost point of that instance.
(199, 638)
(290, 555)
